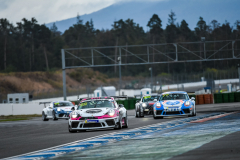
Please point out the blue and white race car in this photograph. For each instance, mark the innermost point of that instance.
(174, 104)
(56, 110)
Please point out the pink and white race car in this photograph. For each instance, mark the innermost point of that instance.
(98, 113)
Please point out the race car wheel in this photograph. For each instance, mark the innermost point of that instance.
(195, 112)
(141, 114)
(118, 125)
(154, 116)
(54, 116)
(125, 122)
(157, 117)
(70, 129)
(44, 117)
(136, 114)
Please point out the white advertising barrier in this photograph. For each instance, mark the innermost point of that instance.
(21, 109)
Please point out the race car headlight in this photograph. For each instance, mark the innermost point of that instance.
(74, 115)
(144, 105)
(111, 112)
(158, 105)
(187, 103)
(58, 109)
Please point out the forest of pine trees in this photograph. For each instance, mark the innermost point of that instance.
(30, 46)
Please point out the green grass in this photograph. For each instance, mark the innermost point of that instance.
(18, 117)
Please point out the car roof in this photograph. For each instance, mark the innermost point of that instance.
(59, 101)
(97, 98)
(151, 95)
(181, 92)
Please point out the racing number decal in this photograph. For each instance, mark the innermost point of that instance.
(165, 95)
(146, 97)
(83, 104)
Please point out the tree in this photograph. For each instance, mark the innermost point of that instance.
(54, 30)
(155, 25)
(19, 31)
(215, 24)
(44, 37)
(185, 32)
(171, 29)
(5, 28)
(30, 30)
(237, 30)
(201, 28)
(171, 19)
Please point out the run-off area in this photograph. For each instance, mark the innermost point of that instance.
(161, 141)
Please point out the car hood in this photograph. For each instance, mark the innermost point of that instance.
(170, 103)
(67, 108)
(93, 112)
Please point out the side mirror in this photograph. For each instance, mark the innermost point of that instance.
(137, 101)
(73, 108)
(192, 98)
(155, 100)
(121, 105)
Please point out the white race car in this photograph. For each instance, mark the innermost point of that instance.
(98, 113)
(56, 110)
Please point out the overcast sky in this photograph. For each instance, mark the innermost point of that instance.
(46, 11)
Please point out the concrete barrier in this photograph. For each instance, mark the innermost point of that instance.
(21, 109)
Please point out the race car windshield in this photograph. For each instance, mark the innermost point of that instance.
(96, 104)
(63, 104)
(150, 98)
(173, 97)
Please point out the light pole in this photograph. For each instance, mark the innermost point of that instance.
(120, 76)
(239, 74)
(150, 69)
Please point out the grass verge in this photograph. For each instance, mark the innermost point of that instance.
(18, 117)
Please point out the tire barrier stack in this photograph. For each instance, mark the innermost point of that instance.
(237, 97)
(218, 98)
(128, 103)
(203, 98)
(227, 97)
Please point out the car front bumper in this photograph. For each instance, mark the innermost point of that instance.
(63, 115)
(182, 112)
(95, 124)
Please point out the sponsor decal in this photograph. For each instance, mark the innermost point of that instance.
(91, 121)
(83, 104)
(172, 102)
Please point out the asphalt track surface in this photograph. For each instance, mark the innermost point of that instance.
(28, 136)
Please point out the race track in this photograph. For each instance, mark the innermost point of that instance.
(28, 136)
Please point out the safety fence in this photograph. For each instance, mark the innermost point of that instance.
(217, 97)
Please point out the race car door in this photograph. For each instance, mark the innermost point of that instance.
(50, 109)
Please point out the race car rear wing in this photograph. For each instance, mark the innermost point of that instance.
(44, 103)
(109, 97)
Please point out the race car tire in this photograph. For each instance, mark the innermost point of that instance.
(70, 129)
(154, 116)
(141, 114)
(136, 115)
(157, 117)
(125, 122)
(195, 111)
(54, 116)
(118, 125)
(44, 117)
